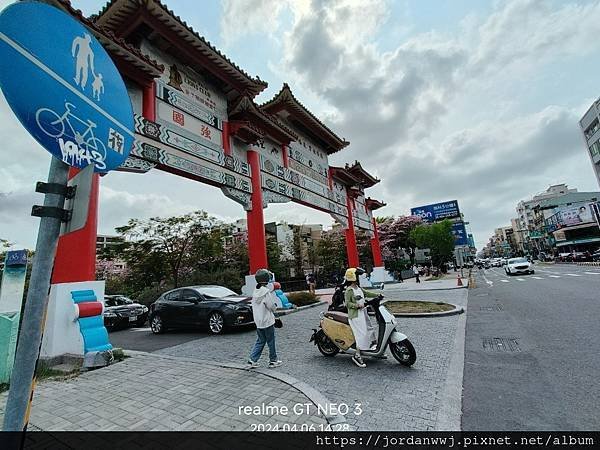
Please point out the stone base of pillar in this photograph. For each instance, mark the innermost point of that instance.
(380, 275)
(249, 285)
(364, 281)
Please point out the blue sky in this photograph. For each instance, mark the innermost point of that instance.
(471, 100)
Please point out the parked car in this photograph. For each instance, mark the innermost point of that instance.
(596, 256)
(515, 266)
(121, 311)
(214, 307)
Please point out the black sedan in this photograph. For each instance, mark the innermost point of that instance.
(214, 307)
(121, 312)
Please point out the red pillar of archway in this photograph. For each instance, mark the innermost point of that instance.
(76, 252)
(351, 250)
(376, 246)
(257, 244)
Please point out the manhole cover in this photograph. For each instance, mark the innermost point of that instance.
(501, 344)
(491, 308)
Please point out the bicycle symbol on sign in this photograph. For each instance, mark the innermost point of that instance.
(86, 146)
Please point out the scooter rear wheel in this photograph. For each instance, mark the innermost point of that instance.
(326, 346)
(404, 352)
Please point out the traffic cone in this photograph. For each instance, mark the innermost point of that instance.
(459, 281)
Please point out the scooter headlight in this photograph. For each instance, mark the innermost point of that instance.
(394, 321)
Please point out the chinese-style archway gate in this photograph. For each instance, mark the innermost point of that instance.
(196, 117)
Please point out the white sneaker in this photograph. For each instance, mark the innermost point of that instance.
(358, 361)
(273, 364)
(251, 365)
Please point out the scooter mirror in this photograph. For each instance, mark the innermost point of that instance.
(382, 286)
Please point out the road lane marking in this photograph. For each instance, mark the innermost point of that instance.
(572, 274)
(538, 278)
(490, 283)
(520, 279)
(592, 273)
(505, 281)
(139, 329)
(553, 276)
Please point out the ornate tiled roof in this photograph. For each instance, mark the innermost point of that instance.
(343, 175)
(367, 180)
(373, 204)
(285, 100)
(117, 13)
(113, 43)
(246, 108)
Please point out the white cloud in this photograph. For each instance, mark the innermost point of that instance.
(420, 113)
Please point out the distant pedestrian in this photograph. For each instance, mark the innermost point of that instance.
(312, 283)
(264, 303)
(399, 276)
(416, 272)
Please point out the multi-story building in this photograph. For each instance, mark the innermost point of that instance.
(590, 127)
(567, 223)
(525, 214)
(111, 266)
(105, 241)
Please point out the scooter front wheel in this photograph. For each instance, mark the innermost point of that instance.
(404, 352)
(325, 345)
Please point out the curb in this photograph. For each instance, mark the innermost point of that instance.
(450, 413)
(316, 397)
(452, 312)
(285, 312)
(430, 289)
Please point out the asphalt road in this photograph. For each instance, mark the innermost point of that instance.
(531, 350)
(142, 339)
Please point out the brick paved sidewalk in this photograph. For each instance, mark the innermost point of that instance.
(392, 397)
(154, 392)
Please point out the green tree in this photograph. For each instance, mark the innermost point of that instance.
(159, 248)
(438, 238)
(365, 252)
(279, 264)
(330, 253)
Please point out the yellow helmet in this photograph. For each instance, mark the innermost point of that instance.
(352, 273)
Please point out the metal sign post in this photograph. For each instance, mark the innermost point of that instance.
(66, 91)
(23, 376)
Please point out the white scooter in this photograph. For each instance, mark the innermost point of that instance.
(335, 335)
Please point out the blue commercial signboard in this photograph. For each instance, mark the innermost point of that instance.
(460, 234)
(437, 211)
(471, 240)
(63, 87)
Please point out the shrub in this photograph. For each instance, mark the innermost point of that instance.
(302, 298)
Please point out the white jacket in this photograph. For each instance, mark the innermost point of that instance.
(264, 303)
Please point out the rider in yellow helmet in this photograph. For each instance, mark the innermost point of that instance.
(357, 313)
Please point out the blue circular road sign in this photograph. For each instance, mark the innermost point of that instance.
(63, 87)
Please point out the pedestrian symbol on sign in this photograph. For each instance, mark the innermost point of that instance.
(81, 50)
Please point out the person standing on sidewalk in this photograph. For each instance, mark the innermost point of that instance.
(264, 304)
(416, 272)
(312, 283)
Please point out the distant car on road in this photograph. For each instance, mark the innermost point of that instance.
(516, 266)
(210, 306)
(121, 312)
